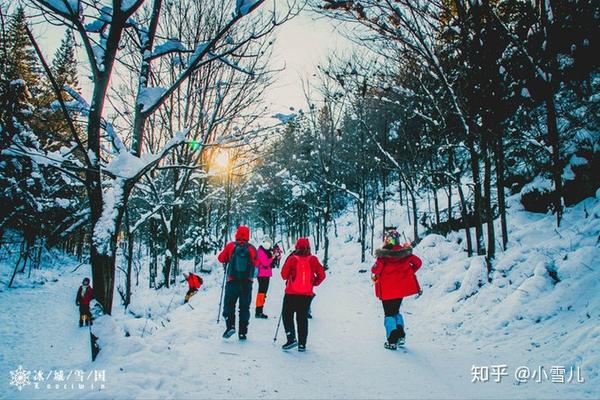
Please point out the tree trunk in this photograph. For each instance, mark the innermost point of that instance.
(554, 140)
(487, 187)
(500, 189)
(415, 217)
(477, 209)
(463, 209)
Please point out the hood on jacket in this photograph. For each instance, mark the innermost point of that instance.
(242, 234)
(302, 244)
(395, 252)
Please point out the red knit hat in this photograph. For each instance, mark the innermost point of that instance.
(302, 244)
(242, 234)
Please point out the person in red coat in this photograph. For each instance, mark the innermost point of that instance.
(85, 294)
(302, 272)
(194, 283)
(394, 274)
(241, 261)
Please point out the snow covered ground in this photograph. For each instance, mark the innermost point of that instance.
(524, 318)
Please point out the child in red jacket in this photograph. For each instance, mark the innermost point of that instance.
(302, 271)
(85, 294)
(395, 278)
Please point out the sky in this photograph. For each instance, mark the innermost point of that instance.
(301, 44)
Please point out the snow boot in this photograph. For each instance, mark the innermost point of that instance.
(230, 322)
(259, 313)
(302, 347)
(242, 336)
(401, 341)
(401, 335)
(390, 346)
(228, 332)
(291, 343)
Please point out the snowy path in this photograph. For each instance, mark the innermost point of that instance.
(187, 358)
(39, 330)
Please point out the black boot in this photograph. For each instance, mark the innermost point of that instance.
(259, 313)
(243, 330)
(291, 342)
(230, 330)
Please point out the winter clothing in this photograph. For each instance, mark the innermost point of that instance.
(265, 261)
(276, 256)
(302, 271)
(237, 290)
(394, 271)
(241, 241)
(194, 283)
(261, 296)
(394, 277)
(85, 294)
(239, 285)
(298, 304)
(288, 272)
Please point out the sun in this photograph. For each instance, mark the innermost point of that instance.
(221, 161)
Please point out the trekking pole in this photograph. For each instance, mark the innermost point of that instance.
(277, 330)
(222, 289)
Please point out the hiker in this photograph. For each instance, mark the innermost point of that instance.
(194, 282)
(395, 278)
(85, 294)
(240, 258)
(302, 271)
(265, 271)
(277, 253)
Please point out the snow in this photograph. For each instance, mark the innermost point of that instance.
(149, 96)
(285, 118)
(541, 309)
(243, 6)
(63, 6)
(169, 46)
(525, 93)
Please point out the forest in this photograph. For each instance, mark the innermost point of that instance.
(457, 104)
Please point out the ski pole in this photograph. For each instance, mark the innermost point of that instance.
(279, 322)
(277, 330)
(222, 289)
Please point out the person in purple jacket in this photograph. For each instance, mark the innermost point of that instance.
(265, 266)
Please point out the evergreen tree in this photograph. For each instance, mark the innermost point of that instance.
(64, 65)
(22, 61)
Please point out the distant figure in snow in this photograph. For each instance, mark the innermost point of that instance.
(85, 294)
(240, 258)
(194, 283)
(265, 271)
(395, 278)
(277, 253)
(302, 271)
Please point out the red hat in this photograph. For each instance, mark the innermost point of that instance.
(302, 244)
(242, 234)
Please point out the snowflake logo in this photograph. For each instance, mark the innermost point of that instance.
(20, 378)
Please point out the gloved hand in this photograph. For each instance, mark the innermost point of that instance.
(420, 292)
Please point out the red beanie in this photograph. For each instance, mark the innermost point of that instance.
(302, 244)
(242, 234)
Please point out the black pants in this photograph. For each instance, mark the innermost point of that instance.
(298, 304)
(263, 284)
(391, 307)
(238, 289)
(84, 311)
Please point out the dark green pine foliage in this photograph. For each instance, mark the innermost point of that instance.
(64, 64)
(22, 61)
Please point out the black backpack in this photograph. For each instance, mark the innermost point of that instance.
(241, 265)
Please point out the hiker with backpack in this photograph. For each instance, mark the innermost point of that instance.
(394, 275)
(240, 259)
(265, 271)
(194, 282)
(301, 271)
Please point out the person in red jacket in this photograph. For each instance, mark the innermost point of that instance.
(240, 259)
(194, 283)
(301, 271)
(85, 294)
(395, 278)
